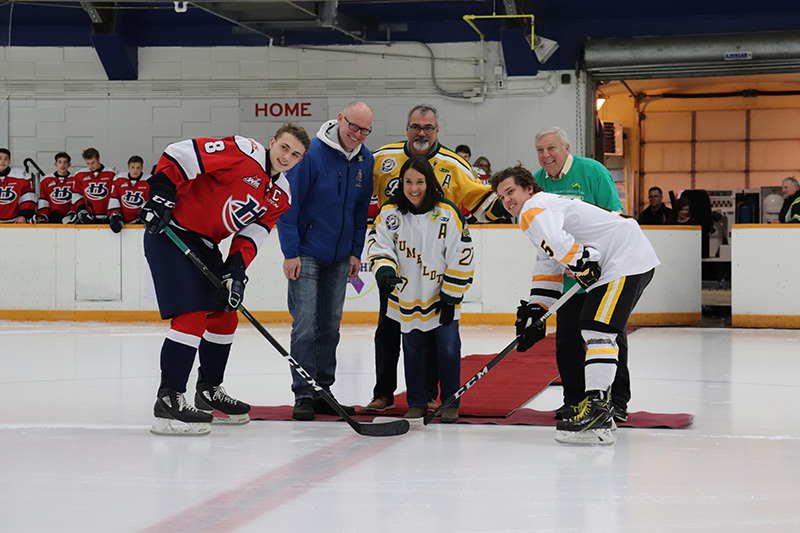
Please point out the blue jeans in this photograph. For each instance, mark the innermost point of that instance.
(418, 346)
(316, 301)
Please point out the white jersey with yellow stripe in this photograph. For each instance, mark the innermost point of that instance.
(560, 227)
(433, 254)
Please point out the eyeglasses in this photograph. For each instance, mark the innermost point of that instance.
(427, 128)
(354, 128)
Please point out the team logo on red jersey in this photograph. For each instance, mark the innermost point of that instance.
(61, 195)
(96, 191)
(132, 199)
(236, 214)
(8, 195)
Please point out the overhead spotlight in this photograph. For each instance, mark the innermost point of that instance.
(544, 48)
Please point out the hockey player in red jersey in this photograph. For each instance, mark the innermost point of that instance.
(131, 191)
(55, 192)
(17, 199)
(207, 190)
(92, 200)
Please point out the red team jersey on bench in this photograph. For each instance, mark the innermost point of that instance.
(93, 191)
(55, 195)
(16, 196)
(132, 194)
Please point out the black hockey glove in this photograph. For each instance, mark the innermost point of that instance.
(234, 278)
(588, 275)
(115, 222)
(42, 219)
(387, 279)
(530, 329)
(446, 313)
(157, 211)
(587, 269)
(84, 217)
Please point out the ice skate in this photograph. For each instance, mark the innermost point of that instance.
(210, 398)
(592, 424)
(174, 416)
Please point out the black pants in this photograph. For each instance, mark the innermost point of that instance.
(387, 355)
(571, 356)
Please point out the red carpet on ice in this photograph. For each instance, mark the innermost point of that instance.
(499, 396)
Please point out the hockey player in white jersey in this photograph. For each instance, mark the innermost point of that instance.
(609, 256)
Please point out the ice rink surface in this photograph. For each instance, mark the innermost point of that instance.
(76, 453)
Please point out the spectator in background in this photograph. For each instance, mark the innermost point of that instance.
(483, 168)
(464, 151)
(92, 198)
(657, 213)
(55, 192)
(322, 237)
(790, 211)
(131, 191)
(17, 198)
(682, 214)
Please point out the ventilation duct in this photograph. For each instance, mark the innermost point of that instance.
(689, 56)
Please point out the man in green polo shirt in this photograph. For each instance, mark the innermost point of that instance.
(571, 175)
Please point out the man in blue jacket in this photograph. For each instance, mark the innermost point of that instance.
(322, 236)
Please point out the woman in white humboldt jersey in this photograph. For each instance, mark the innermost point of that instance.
(609, 256)
(422, 256)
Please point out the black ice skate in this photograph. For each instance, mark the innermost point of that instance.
(592, 423)
(214, 398)
(174, 416)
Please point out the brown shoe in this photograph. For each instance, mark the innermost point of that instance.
(380, 404)
(416, 412)
(450, 415)
(432, 405)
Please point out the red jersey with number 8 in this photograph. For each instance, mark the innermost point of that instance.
(224, 189)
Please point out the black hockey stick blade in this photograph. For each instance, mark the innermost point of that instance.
(497, 358)
(387, 429)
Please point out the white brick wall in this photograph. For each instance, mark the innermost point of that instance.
(60, 98)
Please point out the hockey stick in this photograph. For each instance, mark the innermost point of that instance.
(385, 429)
(417, 423)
